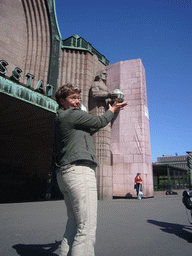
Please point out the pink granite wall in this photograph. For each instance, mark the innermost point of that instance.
(13, 44)
(79, 67)
(25, 38)
(130, 142)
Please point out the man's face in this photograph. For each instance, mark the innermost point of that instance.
(72, 101)
(104, 76)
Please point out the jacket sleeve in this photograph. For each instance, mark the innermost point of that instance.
(82, 119)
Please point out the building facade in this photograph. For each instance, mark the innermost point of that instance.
(177, 161)
(34, 62)
(172, 172)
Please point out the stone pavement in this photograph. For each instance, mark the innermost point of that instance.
(126, 227)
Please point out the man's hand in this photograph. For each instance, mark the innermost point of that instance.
(116, 107)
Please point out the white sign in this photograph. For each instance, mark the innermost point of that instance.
(146, 111)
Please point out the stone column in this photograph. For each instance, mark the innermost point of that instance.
(130, 138)
(102, 139)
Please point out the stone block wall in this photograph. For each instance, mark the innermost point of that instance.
(130, 138)
(79, 68)
(105, 182)
(25, 38)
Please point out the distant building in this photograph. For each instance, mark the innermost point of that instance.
(171, 172)
(177, 161)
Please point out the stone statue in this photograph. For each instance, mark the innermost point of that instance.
(99, 88)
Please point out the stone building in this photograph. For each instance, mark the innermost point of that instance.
(34, 62)
(177, 161)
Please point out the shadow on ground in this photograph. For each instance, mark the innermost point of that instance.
(37, 249)
(176, 229)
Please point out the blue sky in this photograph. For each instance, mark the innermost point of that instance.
(159, 32)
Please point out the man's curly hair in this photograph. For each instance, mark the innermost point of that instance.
(65, 90)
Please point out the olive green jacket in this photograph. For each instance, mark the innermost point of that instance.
(73, 134)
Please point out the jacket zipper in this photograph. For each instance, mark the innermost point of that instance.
(86, 143)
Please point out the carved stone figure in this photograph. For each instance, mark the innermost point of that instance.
(99, 88)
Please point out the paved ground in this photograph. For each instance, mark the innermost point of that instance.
(126, 227)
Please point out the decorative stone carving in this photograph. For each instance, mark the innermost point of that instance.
(99, 88)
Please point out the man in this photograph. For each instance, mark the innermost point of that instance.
(76, 163)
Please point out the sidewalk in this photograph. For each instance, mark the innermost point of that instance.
(126, 227)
